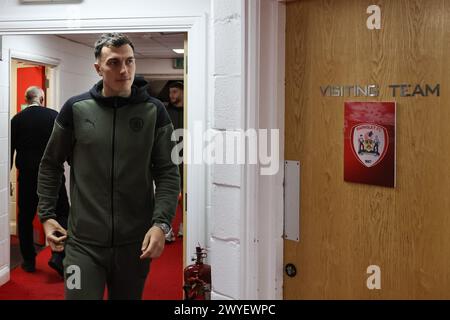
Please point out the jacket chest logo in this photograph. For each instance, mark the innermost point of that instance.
(136, 124)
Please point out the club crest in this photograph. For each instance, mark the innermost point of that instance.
(369, 143)
(136, 124)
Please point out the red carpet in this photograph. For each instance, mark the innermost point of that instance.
(164, 282)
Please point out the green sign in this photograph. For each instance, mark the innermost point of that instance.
(178, 63)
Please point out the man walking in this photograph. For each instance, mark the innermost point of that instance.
(30, 131)
(118, 140)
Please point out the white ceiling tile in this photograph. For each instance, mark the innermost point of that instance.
(147, 45)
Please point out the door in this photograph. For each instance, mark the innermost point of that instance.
(347, 227)
(28, 76)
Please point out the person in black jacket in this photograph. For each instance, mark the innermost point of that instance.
(176, 112)
(30, 130)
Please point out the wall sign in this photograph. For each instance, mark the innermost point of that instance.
(374, 90)
(369, 143)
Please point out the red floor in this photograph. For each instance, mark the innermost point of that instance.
(163, 283)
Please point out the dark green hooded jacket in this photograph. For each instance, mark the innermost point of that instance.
(117, 148)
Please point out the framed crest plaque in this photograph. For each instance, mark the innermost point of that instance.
(369, 143)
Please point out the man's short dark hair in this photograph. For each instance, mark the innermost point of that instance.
(109, 40)
(177, 84)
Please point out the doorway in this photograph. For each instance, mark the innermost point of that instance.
(25, 73)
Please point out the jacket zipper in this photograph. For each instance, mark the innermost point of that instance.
(112, 172)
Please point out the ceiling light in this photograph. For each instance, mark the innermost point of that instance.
(179, 51)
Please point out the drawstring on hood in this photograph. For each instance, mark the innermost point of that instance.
(139, 93)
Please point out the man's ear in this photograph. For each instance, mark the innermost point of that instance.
(97, 68)
(41, 100)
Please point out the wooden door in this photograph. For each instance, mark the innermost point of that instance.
(346, 227)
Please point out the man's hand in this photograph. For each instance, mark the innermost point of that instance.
(153, 244)
(55, 234)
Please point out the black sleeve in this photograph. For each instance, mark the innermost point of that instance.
(65, 116)
(51, 169)
(162, 116)
(165, 172)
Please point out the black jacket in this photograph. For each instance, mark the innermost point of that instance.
(30, 130)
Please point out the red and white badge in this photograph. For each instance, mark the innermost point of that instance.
(369, 143)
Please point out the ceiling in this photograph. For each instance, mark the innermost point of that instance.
(146, 44)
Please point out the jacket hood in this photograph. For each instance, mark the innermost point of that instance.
(139, 94)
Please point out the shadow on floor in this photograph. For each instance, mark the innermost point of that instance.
(15, 256)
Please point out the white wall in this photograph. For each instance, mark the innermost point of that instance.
(76, 70)
(157, 67)
(75, 76)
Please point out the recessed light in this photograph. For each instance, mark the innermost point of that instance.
(179, 51)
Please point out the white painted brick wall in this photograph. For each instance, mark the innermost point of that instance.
(225, 257)
(227, 46)
(227, 174)
(225, 10)
(227, 102)
(226, 208)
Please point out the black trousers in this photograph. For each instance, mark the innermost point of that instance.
(27, 203)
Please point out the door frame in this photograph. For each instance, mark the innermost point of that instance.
(197, 93)
(263, 208)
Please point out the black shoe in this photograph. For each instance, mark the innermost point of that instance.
(55, 263)
(29, 266)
